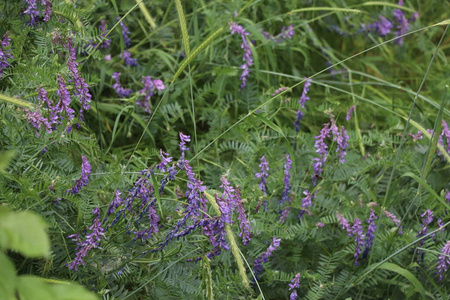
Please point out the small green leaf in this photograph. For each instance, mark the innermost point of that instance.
(7, 277)
(23, 232)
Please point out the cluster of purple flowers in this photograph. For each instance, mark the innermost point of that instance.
(120, 90)
(306, 202)
(263, 258)
(302, 101)
(244, 224)
(339, 136)
(148, 91)
(356, 231)
(33, 11)
(84, 179)
(295, 284)
(247, 57)
(286, 33)
(286, 180)
(105, 42)
(384, 25)
(91, 241)
(280, 90)
(5, 54)
(264, 167)
(350, 112)
(443, 260)
(125, 33)
(394, 219)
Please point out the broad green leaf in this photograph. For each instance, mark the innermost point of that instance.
(33, 288)
(418, 287)
(71, 292)
(7, 278)
(23, 232)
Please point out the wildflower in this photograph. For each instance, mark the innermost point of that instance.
(304, 98)
(125, 33)
(417, 136)
(165, 160)
(341, 138)
(344, 223)
(370, 232)
(286, 180)
(183, 140)
(427, 218)
(306, 202)
(247, 57)
(127, 58)
(84, 179)
(37, 120)
(64, 99)
(92, 241)
(32, 11)
(443, 260)
(447, 196)
(445, 133)
(215, 231)
(298, 117)
(287, 33)
(320, 225)
(121, 91)
(106, 41)
(48, 10)
(394, 219)
(350, 112)
(280, 90)
(264, 167)
(357, 232)
(244, 225)
(115, 203)
(81, 87)
(5, 54)
(321, 149)
(403, 24)
(257, 264)
(148, 90)
(284, 214)
(295, 284)
(382, 27)
(108, 57)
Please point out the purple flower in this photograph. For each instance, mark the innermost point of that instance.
(247, 57)
(344, 223)
(427, 218)
(281, 89)
(115, 203)
(304, 98)
(121, 91)
(443, 260)
(127, 58)
(341, 138)
(284, 214)
(106, 41)
(48, 10)
(287, 33)
(215, 231)
(165, 160)
(5, 54)
(84, 179)
(295, 284)
(370, 232)
(257, 265)
(148, 90)
(37, 120)
(357, 232)
(403, 25)
(159, 85)
(321, 149)
(81, 87)
(64, 99)
(447, 196)
(417, 136)
(264, 167)
(286, 180)
(445, 133)
(244, 224)
(350, 112)
(306, 202)
(125, 33)
(382, 27)
(92, 241)
(32, 11)
(394, 219)
(298, 117)
(320, 225)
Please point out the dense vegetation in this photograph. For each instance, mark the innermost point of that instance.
(224, 149)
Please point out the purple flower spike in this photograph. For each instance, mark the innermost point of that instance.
(350, 112)
(298, 117)
(244, 224)
(263, 174)
(257, 265)
(370, 232)
(85, 173)
(295, 284)
(64, 99)
(165, 160)
(286, 180)
(247, 57)
(127, 58)
(32, 11)
(48, 10)
(394, 219)
(125, 33)
(403, 25)
(344, 224)
(447, 196)
(357, 232)
(443, 260)
(5, 54)
(304, 98)
(287, 33)
(321, 149)
(121, 91)
(306, 202)
(115, 203)
(106, 42)
(92, 241)
(148, 91)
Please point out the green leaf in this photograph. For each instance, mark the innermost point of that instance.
(7, 277)
(72, 292)
(23, 232)
(418, 287)
(5, 158)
